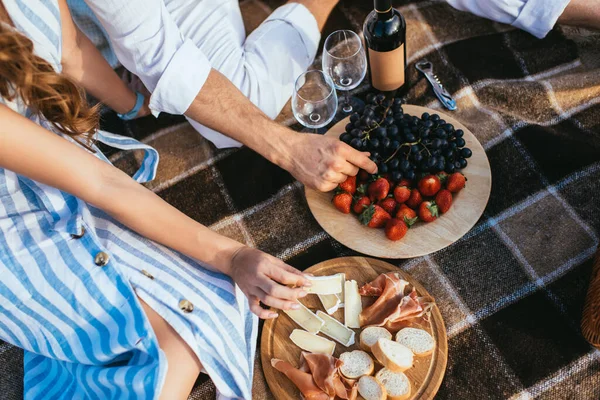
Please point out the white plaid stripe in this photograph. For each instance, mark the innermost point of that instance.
(574, 367)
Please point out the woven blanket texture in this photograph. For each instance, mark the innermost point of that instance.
(512, 290)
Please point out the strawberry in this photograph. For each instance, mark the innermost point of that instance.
(443, 200)
(405, 182)
(415, 199)
(428, 211)
(389, 205)
(349, 185)
(429, 185)
(388, 178)
(395, 229)
(374, 217)
(407, 215)
(343, 202)
(379, 189)
(456, 182)
(363, 176)
(360, 204)
(401, 194)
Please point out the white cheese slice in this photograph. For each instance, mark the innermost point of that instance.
(331, 284)
(331, 302)
(311, 342)
(341, 295)
(305, 318)
(336, 330)
(352, 305)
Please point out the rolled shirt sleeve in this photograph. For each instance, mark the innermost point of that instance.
(147, 41)
(537, 17)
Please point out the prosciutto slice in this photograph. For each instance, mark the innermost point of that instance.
(396, 302)
(324, 370)
(303, 380)
(318, 377)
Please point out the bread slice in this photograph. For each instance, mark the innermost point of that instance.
(356, 364)
(418, 341)
(392, 355)
(370, 388)
(396, 384)
(370, 335)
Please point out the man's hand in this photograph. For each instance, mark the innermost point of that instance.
(263, 278)
(323, 162)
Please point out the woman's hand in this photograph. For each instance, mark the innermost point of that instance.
(263, 278)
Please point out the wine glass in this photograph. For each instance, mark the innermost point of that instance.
(314, 102)
(345, 61)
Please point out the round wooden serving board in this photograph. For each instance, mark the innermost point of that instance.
(421, 239)
(427, 373)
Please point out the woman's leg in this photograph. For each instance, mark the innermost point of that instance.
(184, 366)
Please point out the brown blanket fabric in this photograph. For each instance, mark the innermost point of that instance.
(511, 291)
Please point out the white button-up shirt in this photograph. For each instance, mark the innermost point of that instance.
(148, 43)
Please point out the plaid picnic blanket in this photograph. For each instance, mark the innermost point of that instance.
(512, 290)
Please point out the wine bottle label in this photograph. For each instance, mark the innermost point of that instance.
(387, 69)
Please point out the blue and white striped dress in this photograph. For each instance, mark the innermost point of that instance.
(69, 276)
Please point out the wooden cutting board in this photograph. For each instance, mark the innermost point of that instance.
(426, 375)
(422, 239)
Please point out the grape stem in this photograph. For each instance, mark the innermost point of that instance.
(367, 136)
(399, 147)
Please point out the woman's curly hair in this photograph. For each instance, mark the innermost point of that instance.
(45, 92)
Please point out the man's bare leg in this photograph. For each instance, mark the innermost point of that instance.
(582, 13)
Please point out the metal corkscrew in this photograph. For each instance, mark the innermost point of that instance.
(440, 91)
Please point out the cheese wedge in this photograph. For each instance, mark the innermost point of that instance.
(331, 302)
(352, 305)
(305, 318)
(332, 284)
(310, 342)
(336, 330)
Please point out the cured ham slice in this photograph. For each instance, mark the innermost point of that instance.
(318, 377)
(324, 370)
(394, 306)
(303, 380)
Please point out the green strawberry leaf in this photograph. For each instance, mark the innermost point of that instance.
(443, 178)
(367, 215)
(362, 189)
(410, 221)
(434, 209)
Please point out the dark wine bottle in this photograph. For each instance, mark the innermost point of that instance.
(385, 37)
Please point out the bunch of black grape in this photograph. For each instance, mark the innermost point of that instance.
(403, 145)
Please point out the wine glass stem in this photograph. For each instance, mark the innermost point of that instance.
(347, 106)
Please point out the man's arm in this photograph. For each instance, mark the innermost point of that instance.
(317, 161)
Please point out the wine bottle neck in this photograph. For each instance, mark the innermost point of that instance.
(383, 8)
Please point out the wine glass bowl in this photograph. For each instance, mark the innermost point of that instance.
(314, 102)
(345, 61)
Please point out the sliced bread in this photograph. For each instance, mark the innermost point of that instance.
(370, 335)
(396, 384)
(356, 364)
(370, 388)
(418, 340)
(392, 355)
